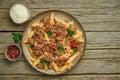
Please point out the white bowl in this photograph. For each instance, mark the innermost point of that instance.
(13, 18)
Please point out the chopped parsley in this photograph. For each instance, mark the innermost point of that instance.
(75, 49)
(44, 62)
(70, 32)
(60, 48)
(16, 37)
(48, 32)
(31, 45)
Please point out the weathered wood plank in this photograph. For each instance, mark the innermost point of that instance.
(94, 66)
(103, 40)
(104, 26)
(100, 21)
(61, 77)
(95, 40)
(102, 54)
(103, 43)
(113, 12)
(8, 25)
(63, 3)
(89, 54)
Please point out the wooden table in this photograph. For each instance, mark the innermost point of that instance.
(101, 22)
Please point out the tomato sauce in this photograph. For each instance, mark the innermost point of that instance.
(73, 44)
(13, 52)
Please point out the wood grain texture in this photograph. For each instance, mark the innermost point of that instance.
(99, 18)
(62, 77)
(89, 54)
(91, 19)
(92, 66)
(8, 25)
(95, 40)
(63, 3)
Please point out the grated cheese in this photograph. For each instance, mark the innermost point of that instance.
(19, 13)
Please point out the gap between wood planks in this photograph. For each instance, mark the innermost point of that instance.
(85, 31)
(89, 54)
(60, 77)
(69, 74)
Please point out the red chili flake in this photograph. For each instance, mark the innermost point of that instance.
(13, 52)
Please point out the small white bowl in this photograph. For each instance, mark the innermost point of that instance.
(13, 19)
(15, 58)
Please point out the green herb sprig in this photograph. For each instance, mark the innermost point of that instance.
(60, 48)
(16, 37)
(44, 62)
(75, 49)
(70, 32)
(48, 32)
(31, 45)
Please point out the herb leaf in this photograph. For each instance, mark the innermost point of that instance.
(16, 37)
(75, 49)
(60, 48)
(48, 32)
(31, 45)
(70, 32)
(44, 62)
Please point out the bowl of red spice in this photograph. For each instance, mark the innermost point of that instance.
(13, 52)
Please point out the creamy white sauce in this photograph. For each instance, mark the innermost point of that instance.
(19, 13)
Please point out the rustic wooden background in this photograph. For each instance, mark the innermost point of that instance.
(101, 22)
